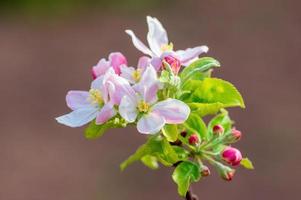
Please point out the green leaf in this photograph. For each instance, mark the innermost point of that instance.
(213, 90)
(170, 131)
(246, 163)
(195, 124)
(184, 174)
(182, 153)
(156, 146)
(203, 109)
(94, 131)
(197, 67)
(222, 119)
(150, 161)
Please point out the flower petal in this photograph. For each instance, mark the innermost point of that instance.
(101, 68)
(128, 109)
(78, 117)
(116, 60)
(77, 99)
(186, 55)
(150, 123)
(106, 113)
(156, 36)
(143, 62)
(173, 111)
(127, 73)
(138, 44)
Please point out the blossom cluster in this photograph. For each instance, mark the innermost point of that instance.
(166, 95)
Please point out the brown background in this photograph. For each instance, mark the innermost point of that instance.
(43, 56)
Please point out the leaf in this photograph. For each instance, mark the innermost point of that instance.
(182, 153)
(150, 161)
(155, 146)
(170, 131)
(198, 66)
(213, 90)
(184, 174)
(94, 131)
(195, 124)
(222, 119)
(246, 163)
(203, 109)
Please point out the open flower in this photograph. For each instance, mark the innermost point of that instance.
(134, 75)
(152, 115)
(116, 60)
(106, 91)
(159, 46)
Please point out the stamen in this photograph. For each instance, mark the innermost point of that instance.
(143, 107)
(167, 47)
(136, 75)
(95, 97)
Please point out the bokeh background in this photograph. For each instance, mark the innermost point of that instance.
(48, 47)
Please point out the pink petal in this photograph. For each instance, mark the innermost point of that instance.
(191, 53)
(156, 36)
(150, 123)
(138, 44)
(77, 99)
(128, 109)
(173, 111)
(106, 113)
(143, 62)
(116, 60)
(101, 68)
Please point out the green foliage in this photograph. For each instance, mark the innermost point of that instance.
(170, 131)
(184, 174)
(156, 146)
(150, 161)
(195, 124)
(246, 163)
(94, 131)
(213, 90)
(221, 119)
(203, 109)
(197, 68)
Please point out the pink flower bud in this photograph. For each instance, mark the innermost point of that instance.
(218, 129)
(205, 171)
(174, 63)
(232, 156)
(236, 134)
(193, 139)
(183, 133)
(228, 175)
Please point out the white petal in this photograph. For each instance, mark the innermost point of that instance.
(78, 117)
(77, 99)
(173, 111)
(138, 44)
(128, 109)
(127, 73)
(150, 123)
(106, 113)
(156, 36)
(191, 53)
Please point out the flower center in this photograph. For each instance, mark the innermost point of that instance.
(167, 47)
(143, 107)
(136, 75)
(95, 97)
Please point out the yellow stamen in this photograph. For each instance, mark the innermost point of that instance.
(136, 75)
(95, 97)
(143, 106)
(167, 47)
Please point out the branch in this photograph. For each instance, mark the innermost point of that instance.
(191, 196)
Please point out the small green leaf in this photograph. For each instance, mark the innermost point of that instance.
(150, 161)
(197, 67)
(170, 131)
(203, 109)
(184, 174)
(195, 124)
(246, 163)
(94, 131)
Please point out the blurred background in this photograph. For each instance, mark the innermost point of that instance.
(48, 47)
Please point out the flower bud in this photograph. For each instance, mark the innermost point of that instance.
(174, 63)
(183, 133)
(232, 156)
(205, 171)
(218, 129)
(228, 174)
(236, 134)
(193, 139)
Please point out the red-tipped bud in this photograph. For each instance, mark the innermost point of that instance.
(205, 171)
(228, 175)
(232, 156)
(174, 63)
(183, 133)
(193, 139)
(236, 134)
(218, 129)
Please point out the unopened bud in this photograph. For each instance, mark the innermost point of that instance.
(236, 134)
(232, 156)
(193, 139)
(218, 129)
(174, 63)
(183, 133)
(228, 175)
(205, 171)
